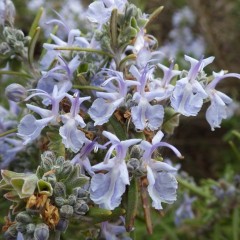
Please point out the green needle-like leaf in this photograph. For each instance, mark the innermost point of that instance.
(113, 29)
(32, 45)
(90, 50)
(118, 128)
(36, 22)
(132, 204)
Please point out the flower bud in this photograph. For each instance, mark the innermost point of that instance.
(10, 39)
(135, 152)
(41, 232)
(21, 227)
(34, 212)
(11, 233)
(133, 164)
(23, 217)
(60, 161)
(66, 211)
(131, 11)
(62, 225)
(60, 201)
(18, 46)
(80, 193)
(48, 159)
(30, 228)
(72, 199)
(81, 207)
(4, 48)
(59, 190)
(67, 169)
(19, 35)
(15, 92)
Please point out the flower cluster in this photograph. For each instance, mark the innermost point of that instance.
(103, 99)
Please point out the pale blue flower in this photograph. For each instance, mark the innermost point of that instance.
(145, 115)
(188, 94)
(72, 35)
(162, 182)
(9, 145)
(30, 127)
(82, 158)
(107, 102)
(7, 118)
(217, 111)
(72, 137)
(142, 48)
(110, 231)
(58, 75)
(163, 86)
(107, 189)
(15, 92)
(20, 236)
(184, 211)
(100, 11)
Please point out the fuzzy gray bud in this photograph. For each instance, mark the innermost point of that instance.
(62, 225)
(48, 159)
(21, 227)
(19, 35)
(60, 201)
(133, 164)
(66, 211)
(11, 233)
(4, 48)
(72, 199)
(81, 207)
(60, 161)
(59, 190)
(41, 232)
(131, 11)
(81, 193)
(15, 92)
(135, 152)
(23, 217)
(67, 169)
(30, 228)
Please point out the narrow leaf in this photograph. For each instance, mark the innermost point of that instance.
(12, 73)
(236, 222)
(90, 50)
(118, 128)
(132, 200)
(113, 29)
(193, 188)
(153, 16)
(36, 22)
(32, 45)
(99, 214)
(14, 130)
